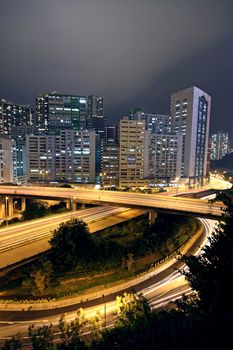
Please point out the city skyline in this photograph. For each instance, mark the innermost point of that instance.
(164, 60)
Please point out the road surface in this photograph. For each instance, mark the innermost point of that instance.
(159, 287)
(24, 240)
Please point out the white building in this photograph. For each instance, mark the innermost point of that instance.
(8, 161)
(190, 115)
(165, 151)
(154, 122)
(69, 156)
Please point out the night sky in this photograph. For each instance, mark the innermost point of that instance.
(133, 52)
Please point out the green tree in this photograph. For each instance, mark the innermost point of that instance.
(96, 326)
(129, 261)
(35, 209)
(42, 337)
(70, 332)
(131, 308)
(72, 243)
(13, 344)
(211, 273)
(40, 277)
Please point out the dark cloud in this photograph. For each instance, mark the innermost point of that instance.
(131, 51)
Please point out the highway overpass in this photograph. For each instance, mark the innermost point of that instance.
(152, 202)
(24, 240)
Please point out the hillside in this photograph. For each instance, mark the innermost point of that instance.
(226, 163)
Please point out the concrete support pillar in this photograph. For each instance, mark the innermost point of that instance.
(23, 204)
(74, 206)
(152, 216)
(10, 207)
(71, 205)
(2, 208)
(68, 204)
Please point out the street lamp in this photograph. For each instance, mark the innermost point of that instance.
(6, 210)
(177, 180)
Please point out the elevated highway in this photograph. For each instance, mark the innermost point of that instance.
(24, 240)
(175, 205)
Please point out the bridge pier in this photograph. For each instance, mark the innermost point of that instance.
(9, 207)
(23, 204)
(2, 208)
(152, 216)
(6, 207)
(71, 205)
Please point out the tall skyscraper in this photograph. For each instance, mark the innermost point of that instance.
(131, 153)
(219, 145)
(18, 134)
(15, 119)
(55, 111)
(95, 110)
(12, 114)
(190, 115)
(96, 121)
(111, 134)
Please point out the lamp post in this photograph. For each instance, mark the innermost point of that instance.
(177, 180)
(6, 210)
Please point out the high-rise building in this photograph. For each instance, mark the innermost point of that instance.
(18, 134)
(157, 123)
(55, 111)
(111, 134)
(190, 115)
(95, 110)
(154, 122)
(131, 153)
(8, 169)
(68, 156)
(165, 152)
(219, 145)
(14, 115)
(110, 165)
(96, 121)
(134, 113)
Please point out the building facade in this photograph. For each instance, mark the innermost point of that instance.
(190, 115)
(55, 112)
(219, 145)
(165, 151)
(8, 160)
(110, 165)
(96, 121)
(95, 110)
(69, 156)
(131, 153)
(111, 134)
(14, 115)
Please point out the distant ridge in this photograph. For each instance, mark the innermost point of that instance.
(226, 163)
